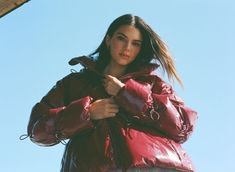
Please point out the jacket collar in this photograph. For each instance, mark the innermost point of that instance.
(91, 65)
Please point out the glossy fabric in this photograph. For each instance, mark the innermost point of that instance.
(156, 169)
(147, 131)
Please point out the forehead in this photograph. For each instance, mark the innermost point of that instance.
(130, 32)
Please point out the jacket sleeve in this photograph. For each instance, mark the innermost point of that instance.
(157, 106)
(52, 120)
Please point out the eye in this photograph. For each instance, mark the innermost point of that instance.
(137, 44)
(120, 38)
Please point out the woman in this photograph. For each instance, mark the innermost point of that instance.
(117, 115)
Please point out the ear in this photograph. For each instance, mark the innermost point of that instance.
(107, 41)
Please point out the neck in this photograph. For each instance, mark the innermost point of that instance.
(114, 70)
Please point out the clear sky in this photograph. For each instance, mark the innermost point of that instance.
(38, 39)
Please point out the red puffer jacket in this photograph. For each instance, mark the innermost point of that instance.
(147, 132)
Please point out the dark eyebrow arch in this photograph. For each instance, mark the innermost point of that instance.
(127, 37)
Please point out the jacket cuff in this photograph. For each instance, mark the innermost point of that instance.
(134, 97)
(41, 129)
(74, 118)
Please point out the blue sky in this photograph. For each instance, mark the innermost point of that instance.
(38, 39)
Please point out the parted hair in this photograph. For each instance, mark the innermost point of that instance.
(152, 48)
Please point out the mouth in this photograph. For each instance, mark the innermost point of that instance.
(124, 55)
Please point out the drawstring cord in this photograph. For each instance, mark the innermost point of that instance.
(58, 139)
(62, 141)
(23, 136)
(73, 71)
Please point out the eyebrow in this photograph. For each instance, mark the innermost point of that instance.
(120, 33)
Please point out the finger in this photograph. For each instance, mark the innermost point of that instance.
(110, 77)
(111, 100)
(111, 114)
(112, 87)
(108, 101)
(108, 84)
(113, 106)
(114, 110)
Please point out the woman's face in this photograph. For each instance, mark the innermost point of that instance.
(124, 45)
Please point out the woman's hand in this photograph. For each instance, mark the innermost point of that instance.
(103, 108)
(112, 85)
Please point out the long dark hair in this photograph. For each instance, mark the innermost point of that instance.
(152, 47)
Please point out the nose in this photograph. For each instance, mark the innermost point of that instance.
(128, 46)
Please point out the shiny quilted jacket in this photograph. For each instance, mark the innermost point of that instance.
(148, 130)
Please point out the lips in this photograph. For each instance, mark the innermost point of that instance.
(125, 55)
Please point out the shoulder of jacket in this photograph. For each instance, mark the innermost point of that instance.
(151, 78)
(156, 82)
(75, 75)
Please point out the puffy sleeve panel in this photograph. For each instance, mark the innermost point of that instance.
(156, 105)
(53, 120)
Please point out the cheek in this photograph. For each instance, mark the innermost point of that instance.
(136, 51)
(116, 45)
(113, 49)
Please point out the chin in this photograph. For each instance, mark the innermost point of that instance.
(124, 63)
